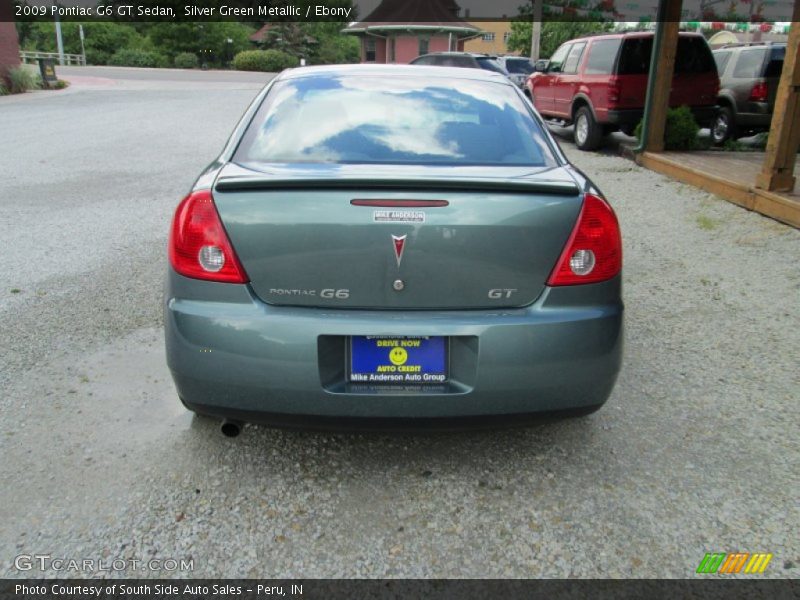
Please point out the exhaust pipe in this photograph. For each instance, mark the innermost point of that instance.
(230, 428)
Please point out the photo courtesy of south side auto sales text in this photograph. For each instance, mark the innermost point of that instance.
(192, 590)
(31, 9)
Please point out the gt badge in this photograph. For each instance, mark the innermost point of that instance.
(399, 242)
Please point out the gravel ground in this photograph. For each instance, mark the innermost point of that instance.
(696, 451)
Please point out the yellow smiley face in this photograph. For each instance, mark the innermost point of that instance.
(398, 356)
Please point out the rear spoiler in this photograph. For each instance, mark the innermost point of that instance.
(544, 186)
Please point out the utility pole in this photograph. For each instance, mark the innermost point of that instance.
(83, 45)
(59, 41)
(536, 29)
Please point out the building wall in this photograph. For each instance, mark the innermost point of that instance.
(406, 47)
(9, 46)
(496, 46)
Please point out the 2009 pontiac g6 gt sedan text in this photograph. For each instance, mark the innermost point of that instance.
(392, 243)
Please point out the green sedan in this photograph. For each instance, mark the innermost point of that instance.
(392, 245)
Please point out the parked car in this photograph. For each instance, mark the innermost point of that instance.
(392, 242)
(600, 83)
(470, 60)
(518, 68)
(749, 78)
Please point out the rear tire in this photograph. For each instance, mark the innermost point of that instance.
(723, 128)
(588, 133)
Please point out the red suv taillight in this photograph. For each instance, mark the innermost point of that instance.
(198, 245)
(614, 91)
(759, 92)
(594, 250)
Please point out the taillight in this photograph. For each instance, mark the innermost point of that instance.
(759, 92)
(198, 245)
(614, 90)
(594, 250)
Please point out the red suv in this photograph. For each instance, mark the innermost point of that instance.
(599, 83)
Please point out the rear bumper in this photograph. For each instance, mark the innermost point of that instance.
(754, 120)
(629, 118)
(233, 356)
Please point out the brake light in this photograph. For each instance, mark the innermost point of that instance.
(614, 90)
(759, 92)
(198, 245)
(594, 250)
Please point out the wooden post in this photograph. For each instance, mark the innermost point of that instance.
(663, 74)
(777, 174)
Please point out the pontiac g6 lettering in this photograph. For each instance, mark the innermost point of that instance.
(302, 262)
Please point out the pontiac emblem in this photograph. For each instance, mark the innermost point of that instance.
(399, 242)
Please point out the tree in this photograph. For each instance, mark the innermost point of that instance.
(554, 33)
(214, 42)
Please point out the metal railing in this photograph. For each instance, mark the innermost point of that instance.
(69, 59)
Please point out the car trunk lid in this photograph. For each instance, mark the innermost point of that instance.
(397, 237)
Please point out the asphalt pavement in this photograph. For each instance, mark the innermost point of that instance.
(696, 451)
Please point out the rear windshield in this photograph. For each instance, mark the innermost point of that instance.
(490, 64)
(397, 120)
(519, 65)
(693, 56)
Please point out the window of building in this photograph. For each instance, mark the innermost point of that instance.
(423, 45)
(488, 37)
(506, 37)
(391, 49)
(369, 50)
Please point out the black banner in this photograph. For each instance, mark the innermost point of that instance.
(326, 589)
(398, 11)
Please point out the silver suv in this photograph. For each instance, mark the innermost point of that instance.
(749, 77)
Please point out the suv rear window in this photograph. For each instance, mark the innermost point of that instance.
(399, 120)
(693, 56)
(749, 63)
(722, 58)
(602, 54)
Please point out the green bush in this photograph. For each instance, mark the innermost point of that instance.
(186, 60)
(3, 89)
(680, 130)
(129, 57)
(23, 79)
(269, 61)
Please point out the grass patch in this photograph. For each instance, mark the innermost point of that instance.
(3, 89)
(24, 80)
(734, 146)
(15, 290)
(706, 223)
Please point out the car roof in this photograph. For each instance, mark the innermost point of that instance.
(629, 34)
(743, 46)
(452, 53)
(330, 71)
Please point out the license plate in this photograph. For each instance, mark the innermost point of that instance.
(404, 360)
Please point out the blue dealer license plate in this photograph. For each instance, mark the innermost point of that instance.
(404, 360)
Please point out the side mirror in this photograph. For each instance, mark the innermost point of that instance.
(540, 66)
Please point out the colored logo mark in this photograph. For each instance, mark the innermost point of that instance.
(735, 562)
